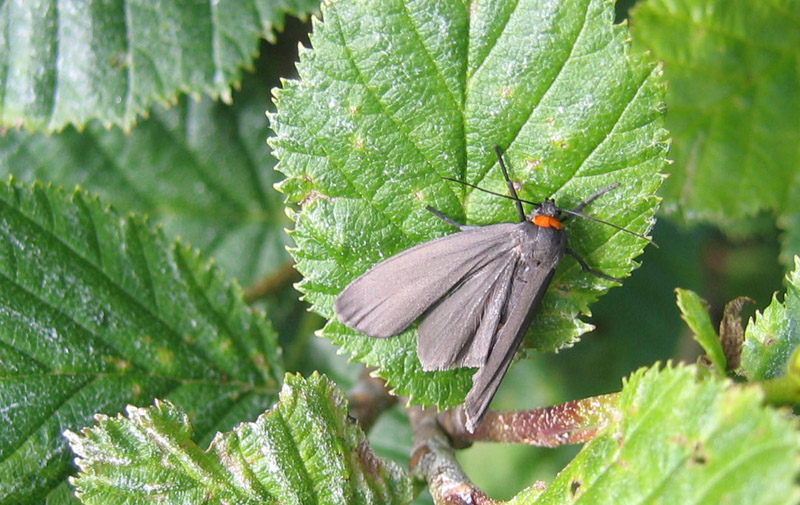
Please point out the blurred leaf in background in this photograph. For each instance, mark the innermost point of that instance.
(733, 106)
(201, 168)
(67, 63)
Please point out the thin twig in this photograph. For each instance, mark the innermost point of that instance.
(433, 460)
(437, 436)
(368, 399)
(569, 423)
(270, 285)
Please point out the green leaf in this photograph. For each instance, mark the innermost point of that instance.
(98, 311)
(789, 222)
(772, 336)
(680, 440)
(304, 450)
(202, 168)
(733, 102)
(396, 95)
(67, 62)
(694, 310)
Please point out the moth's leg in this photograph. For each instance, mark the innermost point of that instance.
(587, 268)
(448, 220)
(589, 200)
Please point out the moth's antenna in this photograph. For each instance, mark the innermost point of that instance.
(618, 227)
(596, 195)
(510, 185)
(501, 195)
(565, 211)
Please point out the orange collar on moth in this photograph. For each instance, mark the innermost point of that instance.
(546, 222)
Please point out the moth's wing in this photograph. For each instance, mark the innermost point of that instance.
(389, 297)
(460, 329)
(530, 281)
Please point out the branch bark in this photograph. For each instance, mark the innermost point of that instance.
(433, 459)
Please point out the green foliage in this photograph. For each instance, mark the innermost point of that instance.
(681, 440)
(201, 168)
(396, 95)
(774, 334)
(99, 311)
(304, 450)
(694, 311)
(70, 62)
(733, 103)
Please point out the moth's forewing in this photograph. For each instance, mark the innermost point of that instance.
(386, 299)
(459, 330)
(540, 252)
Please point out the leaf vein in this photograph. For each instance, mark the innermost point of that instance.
(381, 104)
(432, 61)
(54, 309)
(676, 380)
(43, 420)
(491, 46)
(118, 287)
(221, 322)
(613, 126)
(301, 462)
(553, 81)
(93, 242)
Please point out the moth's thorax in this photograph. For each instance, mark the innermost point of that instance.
(545, 215)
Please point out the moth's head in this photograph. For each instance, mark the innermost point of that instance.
(545, 214)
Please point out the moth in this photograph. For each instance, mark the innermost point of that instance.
(474, 291)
